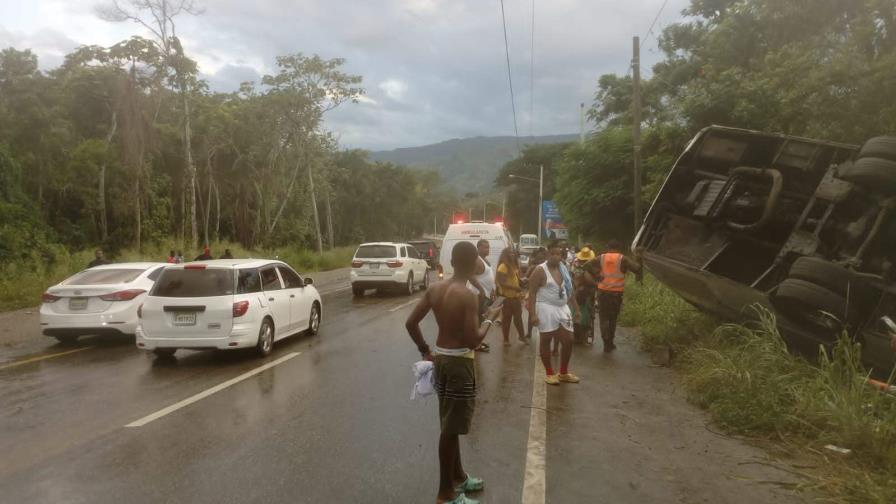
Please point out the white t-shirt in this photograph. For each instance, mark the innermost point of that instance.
(486, 280)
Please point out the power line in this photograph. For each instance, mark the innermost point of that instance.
(532, 77)
(516, 130)
(650, 30)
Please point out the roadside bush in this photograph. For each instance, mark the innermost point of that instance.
(744, 376)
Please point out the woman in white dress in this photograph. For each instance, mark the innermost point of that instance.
(550, 298)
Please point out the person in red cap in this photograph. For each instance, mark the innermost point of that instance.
(205, 255)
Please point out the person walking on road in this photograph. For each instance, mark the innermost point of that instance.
(507, 279)
(99, 259)
(610, 269)
(585, 284)
(206, 255)
(550, 298)
(456, 309)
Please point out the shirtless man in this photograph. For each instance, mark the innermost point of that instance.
(456, 309)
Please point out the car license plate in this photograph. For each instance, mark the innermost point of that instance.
(374, 265)
(78, 303)
(185, 318)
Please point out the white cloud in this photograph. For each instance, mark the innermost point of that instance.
(394, 88)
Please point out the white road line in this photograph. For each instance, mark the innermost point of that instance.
(402, 305)
(534, 480)
(205, 393)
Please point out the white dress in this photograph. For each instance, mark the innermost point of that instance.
(552, 310)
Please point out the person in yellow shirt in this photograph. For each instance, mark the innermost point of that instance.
(507, 279)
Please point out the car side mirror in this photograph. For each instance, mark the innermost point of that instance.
(309, 281)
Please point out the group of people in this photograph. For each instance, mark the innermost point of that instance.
(206, 255)
(559, 298)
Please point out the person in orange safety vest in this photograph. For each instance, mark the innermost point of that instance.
(610, 269)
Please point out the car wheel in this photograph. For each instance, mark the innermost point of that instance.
(426, 280)
(164, 352)
(314, 319)
(67, 339)
(265, 339)
(409, 288)
(874, 174)
(357, 291)
(879, 147)
(833, 277)
(811, 303)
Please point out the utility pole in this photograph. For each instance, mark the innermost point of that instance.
(582, 123)
(636, 128)
(540, 198)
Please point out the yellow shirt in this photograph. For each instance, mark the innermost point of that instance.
(510, 287)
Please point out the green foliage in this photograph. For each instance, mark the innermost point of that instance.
(522, 194)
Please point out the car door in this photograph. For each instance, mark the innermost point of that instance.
(277, 299)
(299, 300)
(420, 265)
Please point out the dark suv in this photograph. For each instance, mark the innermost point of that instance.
(804, 227)
(429, 250)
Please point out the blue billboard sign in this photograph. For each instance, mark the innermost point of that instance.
(552, 225)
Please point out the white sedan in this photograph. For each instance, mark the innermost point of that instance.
(227, 304)
(99, 300)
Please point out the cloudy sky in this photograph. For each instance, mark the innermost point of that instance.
(433, 69)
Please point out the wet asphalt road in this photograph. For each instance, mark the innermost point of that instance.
(334, 424)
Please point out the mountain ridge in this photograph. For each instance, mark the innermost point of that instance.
(466, 164)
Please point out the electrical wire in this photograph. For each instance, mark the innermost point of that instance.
(532, 77)
(510, 80)
(655, 19)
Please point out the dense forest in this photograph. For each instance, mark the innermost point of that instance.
(123, 146)
(823, 69)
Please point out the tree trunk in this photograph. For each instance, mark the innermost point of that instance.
(320, 241)
(289, 188)
(101, 190)
(329, 221)
(217, 212)
(189, 169)
(138, 210)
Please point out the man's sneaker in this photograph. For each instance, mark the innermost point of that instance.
(568, 378)
(552, 379)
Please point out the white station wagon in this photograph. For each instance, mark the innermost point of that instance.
(227, 304)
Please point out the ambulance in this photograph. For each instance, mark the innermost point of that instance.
(497, 235)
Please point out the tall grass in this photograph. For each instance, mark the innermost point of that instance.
(22, 283)
(743, 375)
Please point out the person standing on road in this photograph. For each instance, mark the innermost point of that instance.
(227, 254)
(550, 298)
(456, 309)
(179, 258)
(585, 284)
(99, 259)
(483, 283)
(507, 279)
(610, 269)
(538, 256)
(206, 255)
(172, 258)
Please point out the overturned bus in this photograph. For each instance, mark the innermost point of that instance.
(803, 227)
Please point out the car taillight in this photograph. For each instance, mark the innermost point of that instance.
(195, 266)
(394, 264)
(357, 264)
(49, 298)
(140, 311)
(240, 308)
(125, 295)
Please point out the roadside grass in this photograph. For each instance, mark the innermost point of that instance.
(23, 282)
(745, 378)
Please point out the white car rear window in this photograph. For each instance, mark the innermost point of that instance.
(375, 252)
(104, 277)
(187, 283)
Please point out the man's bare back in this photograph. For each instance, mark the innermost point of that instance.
(456, 308)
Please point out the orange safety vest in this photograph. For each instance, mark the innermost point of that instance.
(612, 278)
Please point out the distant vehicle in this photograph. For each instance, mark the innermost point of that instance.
(100, 300)
(388, 265)
(528, 240)
(227, 304)
(497, 235)
(525, 253)
(804, 227)
(428, 250)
